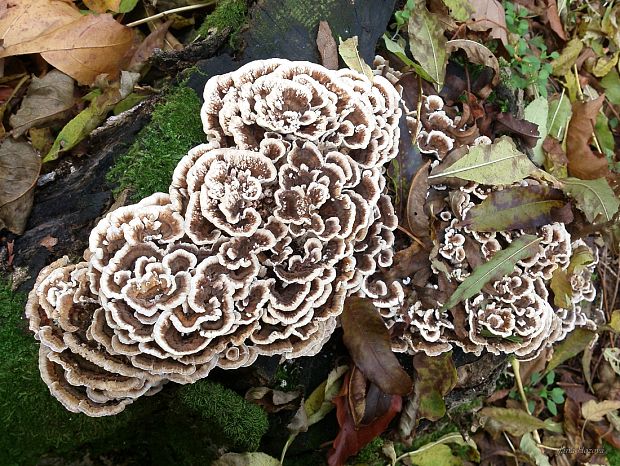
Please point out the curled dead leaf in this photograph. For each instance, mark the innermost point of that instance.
(327, 46)
(479, 54)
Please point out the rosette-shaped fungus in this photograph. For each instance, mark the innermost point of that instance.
(80, 373)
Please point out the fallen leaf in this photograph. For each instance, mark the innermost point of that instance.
(520, 207)
(316, 407)
(611, 84)
(594, 198)
(553, 16)
(434, 378)
(91, 117)
(417, 219)
(398, 49)
(596, 410)
(348, 50)
(155, 40)
(480, 55)
(427, 42)
(19, 170)
(368, 342)
(529, 447)
(439, 453)
(582, 162)
(506, 123)
(84, 48)
(537, 112)
(350, 439)
(460, 10)
(574, 344)
(356, 396)
(48, 99)
(514, 421)
(604, 65)
(491, 164)
(489, 14)
(246, 459)
(614, 322)
(563, 64)
(502, 263)
(612, 356)
(26, 20)
(272, 400)
(117, 6)
(327, 46)
(562, 289)
(558, 116)
(49, 242)
(604, 136)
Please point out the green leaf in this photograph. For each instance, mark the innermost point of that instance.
(348, 50)
(604, 65)
(514, 421)
(439, 453)
(460, 10)
(530, 448)
(563, 64)
(611, 84)
(537, 112)
(502, 263)
(557, 395)
(518, 208)
(491, 164)
(594, 198)
(246, 459)
(127, 5)
(435, 377)
(604, 135)
(399, 51)
(562, 289)
(574, 344)
(552, 407)
(427, 42)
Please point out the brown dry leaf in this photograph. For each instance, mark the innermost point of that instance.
(480, 55)
(19, 169)
(582, 161)
(49, 98)
(596, 411)
(327, 46)
(506, 123)
(417, 219)
(155, 40)
(555, 23)
(83, 48)
(273, 400)
(357, 395)
(489, 14)
(25, 20)
(368, 342)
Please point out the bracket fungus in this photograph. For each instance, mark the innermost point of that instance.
(267, 229)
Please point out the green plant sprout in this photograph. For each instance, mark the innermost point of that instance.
(529, 61)
(553, 396)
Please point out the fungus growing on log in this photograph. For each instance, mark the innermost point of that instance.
(265, 231)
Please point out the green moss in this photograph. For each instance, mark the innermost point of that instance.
(613, 454)
(371, 454)
(175, 128)
(228, 14)
(32, 422)
(235, 421)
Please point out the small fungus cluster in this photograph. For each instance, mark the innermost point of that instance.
(265, 231)
(516, 314)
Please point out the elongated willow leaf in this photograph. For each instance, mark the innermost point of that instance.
(502, 263)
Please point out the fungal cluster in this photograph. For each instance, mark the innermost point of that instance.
(518, 313)
(265, 231)
(269, 227)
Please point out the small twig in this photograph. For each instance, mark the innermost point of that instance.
(170, 12)
(514, 362)
(412, 236)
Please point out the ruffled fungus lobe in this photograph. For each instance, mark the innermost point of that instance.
(264, 233)
(81, 374)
